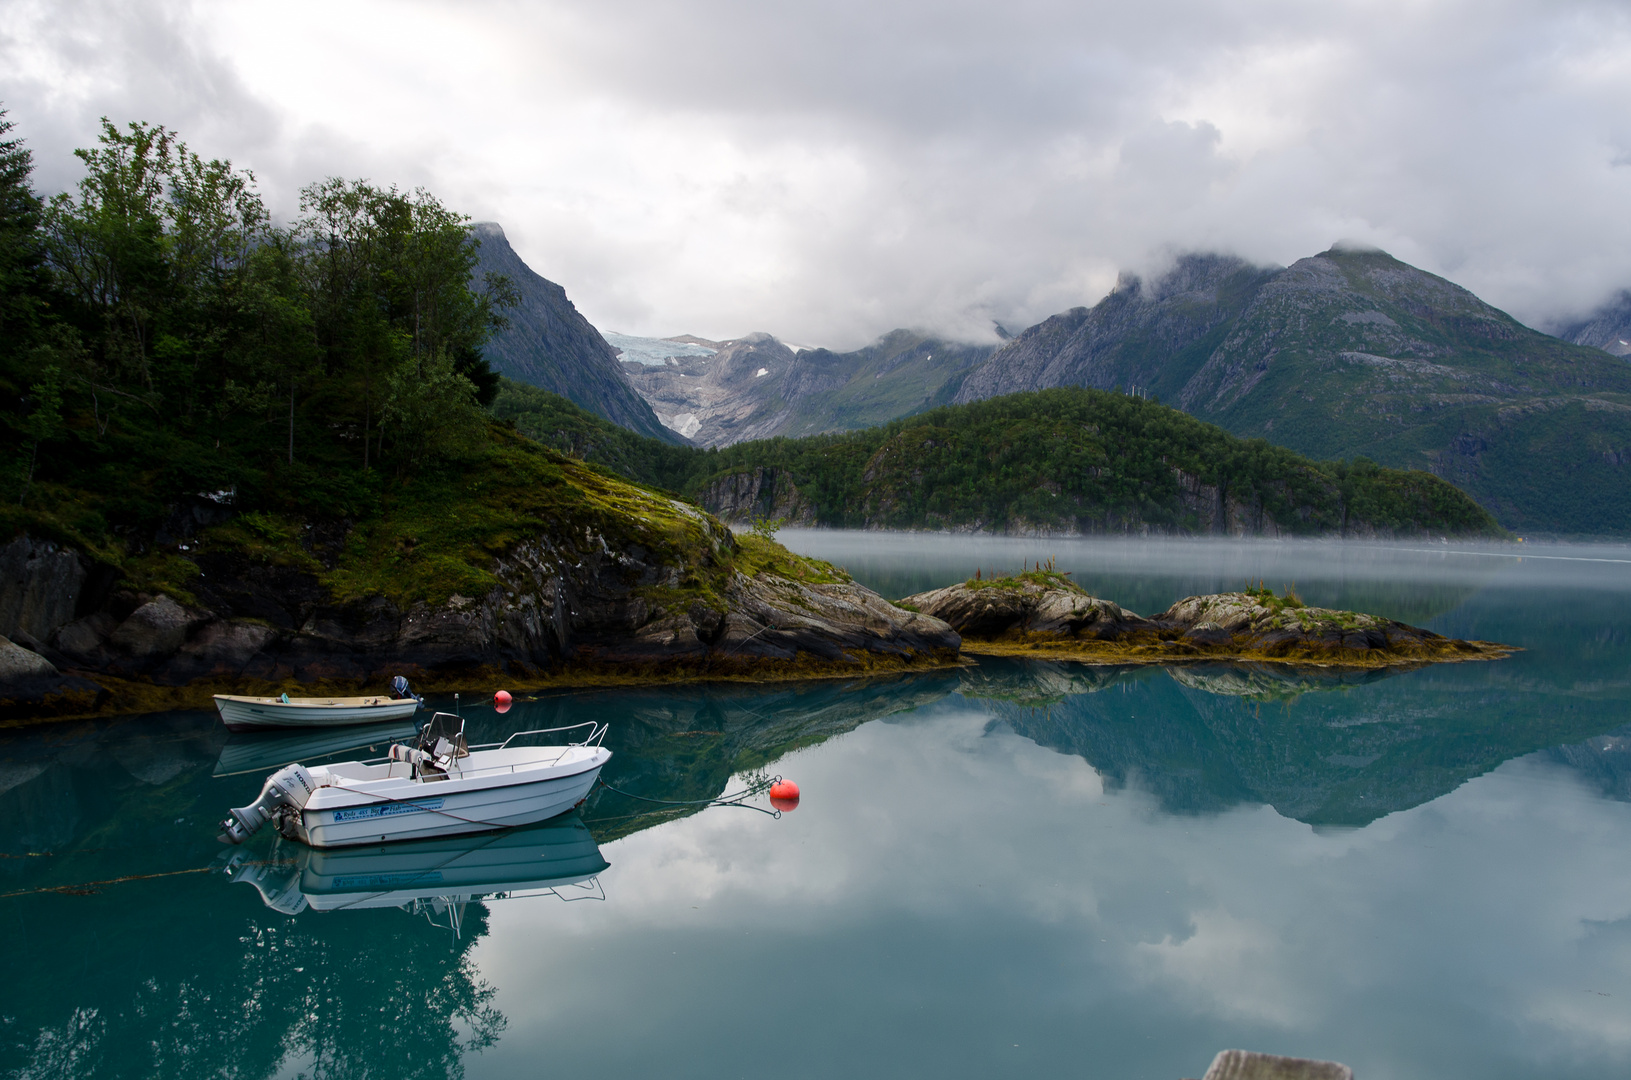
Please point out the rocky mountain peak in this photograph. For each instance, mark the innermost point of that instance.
(550, 344)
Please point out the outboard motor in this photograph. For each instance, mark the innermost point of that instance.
(399, 689)
(290, 787)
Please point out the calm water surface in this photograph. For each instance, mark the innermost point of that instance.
(1012, 869)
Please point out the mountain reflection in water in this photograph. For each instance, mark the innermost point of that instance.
(137, 956)
(1323, 746)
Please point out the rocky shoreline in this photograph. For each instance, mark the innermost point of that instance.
(1043, 612)
(565, 611)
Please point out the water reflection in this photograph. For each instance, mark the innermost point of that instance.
(1322, 746)
(264, 752)
(428, 876)
(135, 958)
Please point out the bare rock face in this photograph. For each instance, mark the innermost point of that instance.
(17, 662)
(31, 686)
(1020, 607)
(1247, 1065)
(759, 492)
(40, 586)
(155, 629)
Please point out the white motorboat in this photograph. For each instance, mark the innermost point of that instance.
(439, 787)
(450, 871)
(263, 713)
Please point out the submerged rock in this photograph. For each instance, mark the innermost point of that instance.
(1045, 610)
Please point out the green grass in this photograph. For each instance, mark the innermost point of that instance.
(439, 533)
(1042, 577)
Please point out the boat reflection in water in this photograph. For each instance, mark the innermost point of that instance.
(431, 877)
(264, 751)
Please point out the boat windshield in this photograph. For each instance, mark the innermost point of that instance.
(444, 726)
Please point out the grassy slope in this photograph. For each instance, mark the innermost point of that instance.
(1062, 458)
(437, 533)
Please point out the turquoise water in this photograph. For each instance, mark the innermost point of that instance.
(1010, 869)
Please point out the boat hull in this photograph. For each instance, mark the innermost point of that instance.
(453, 807)
(267, 714)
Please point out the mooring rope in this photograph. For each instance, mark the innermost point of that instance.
(739, 799)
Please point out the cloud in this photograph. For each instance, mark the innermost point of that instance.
(829, 171)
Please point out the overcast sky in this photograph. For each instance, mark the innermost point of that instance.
(828, 171)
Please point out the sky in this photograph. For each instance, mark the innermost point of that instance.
(829, 171)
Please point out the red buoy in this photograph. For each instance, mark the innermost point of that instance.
(784, 795)
(501, 701)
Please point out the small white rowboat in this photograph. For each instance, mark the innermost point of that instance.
(262, 713)
(437, 788)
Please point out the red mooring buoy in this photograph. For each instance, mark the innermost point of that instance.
(501, 701)
(784, 795)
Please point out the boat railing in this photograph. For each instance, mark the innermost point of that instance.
(597, 732)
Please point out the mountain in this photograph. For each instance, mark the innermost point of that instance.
(755, 387)
(1608, 328)
(1065, 461)
(549, 344)
(1353, 353)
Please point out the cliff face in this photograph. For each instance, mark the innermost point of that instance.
(759, 493)
(549, 344)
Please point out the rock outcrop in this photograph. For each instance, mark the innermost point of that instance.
(586, 605)
(1019, 607)
(1044, 611)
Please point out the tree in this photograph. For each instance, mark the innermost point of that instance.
(389, 275)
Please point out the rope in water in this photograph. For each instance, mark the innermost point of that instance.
(89, 887)
(739, 799)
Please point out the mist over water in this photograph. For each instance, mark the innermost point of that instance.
(1011, 868)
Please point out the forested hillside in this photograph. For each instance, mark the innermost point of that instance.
(1067, 460)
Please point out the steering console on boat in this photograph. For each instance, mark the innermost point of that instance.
(439, 745)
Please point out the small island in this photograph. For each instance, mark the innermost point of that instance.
(1041, 611)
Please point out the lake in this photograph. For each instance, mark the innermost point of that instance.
(1010, 869)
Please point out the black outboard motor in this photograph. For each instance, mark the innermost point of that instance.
(399, 689)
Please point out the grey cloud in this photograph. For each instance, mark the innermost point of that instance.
(829, 171)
